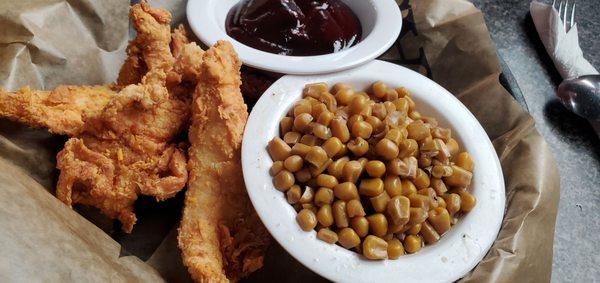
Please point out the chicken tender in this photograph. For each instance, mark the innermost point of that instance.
(150, 48)
(122, 137)
(187, 56)
(133, 134)
(221, 236)
(62, 110)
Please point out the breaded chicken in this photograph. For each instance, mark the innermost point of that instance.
(182, 80)
(221, 236)
(126, 150)
(150, 48)
(187, 56)
(62, 110)
(122, 140)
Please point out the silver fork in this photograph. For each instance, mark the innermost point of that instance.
(580, 95)
(568, 23)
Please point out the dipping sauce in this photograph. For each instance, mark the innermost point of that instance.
(294, 27)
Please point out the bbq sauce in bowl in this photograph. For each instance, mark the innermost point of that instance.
(294, 27)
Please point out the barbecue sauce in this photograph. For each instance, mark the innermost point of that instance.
(294, 27)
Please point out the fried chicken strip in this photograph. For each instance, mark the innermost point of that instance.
(62, 110)
(126, 150)
(182, 80)
(221, 236)
(187, 56)
(121, 142)
(150, 49)
(65, 109)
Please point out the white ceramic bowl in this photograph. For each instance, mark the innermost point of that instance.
(381, 23)
(458, 251)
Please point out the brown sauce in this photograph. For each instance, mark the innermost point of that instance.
(294, 27)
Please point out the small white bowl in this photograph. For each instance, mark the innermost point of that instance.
(381, 23)
(458, 251)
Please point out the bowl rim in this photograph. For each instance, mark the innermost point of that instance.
(385, 31)
(459, 250)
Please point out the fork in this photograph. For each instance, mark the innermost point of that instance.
(578, 94)
(563, 14)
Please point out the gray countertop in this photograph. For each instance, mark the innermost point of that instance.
(574, 144)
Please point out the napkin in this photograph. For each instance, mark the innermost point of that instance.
(562, 46)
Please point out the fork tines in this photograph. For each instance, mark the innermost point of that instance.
(567, 23)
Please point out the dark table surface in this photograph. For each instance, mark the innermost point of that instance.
(574, 144)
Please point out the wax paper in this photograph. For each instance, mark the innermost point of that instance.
(46, 43)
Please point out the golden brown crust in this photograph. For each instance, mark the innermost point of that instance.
(150, 49)
(187, 54)
(62, 110)
(122, 142)
(221, 236)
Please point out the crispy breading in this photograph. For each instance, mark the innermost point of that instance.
(221, 236)
(150, 48)
(133, 132)
(186, 55)
(62, 110)
(182, 80)
(122, 143)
